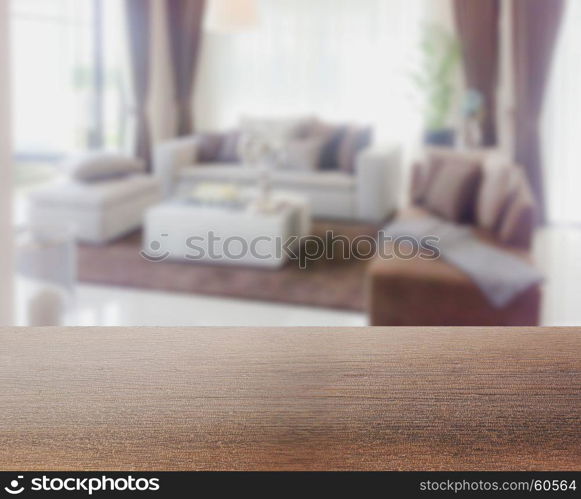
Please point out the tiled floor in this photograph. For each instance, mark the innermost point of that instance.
(98, 306)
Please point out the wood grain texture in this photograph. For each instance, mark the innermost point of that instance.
(290, 399)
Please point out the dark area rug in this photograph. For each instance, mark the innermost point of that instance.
(330, 283)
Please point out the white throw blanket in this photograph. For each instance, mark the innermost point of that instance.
(500, 275)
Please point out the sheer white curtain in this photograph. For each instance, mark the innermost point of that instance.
(339, 59)
(562, 124)
(51, 53)
(57, 105)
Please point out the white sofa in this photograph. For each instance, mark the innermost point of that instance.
(97, 212)
(372, 193)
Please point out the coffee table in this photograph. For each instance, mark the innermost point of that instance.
(228, 234)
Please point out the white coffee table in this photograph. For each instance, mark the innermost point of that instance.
(218, 234)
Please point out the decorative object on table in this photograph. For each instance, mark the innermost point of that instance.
(269, 206)
(263, 145)
(264, 189)
(46, 270)
(473, 114)
(217, 194)
(233, 197)
(435, 80)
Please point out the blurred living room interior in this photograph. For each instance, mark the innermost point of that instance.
(136, 134)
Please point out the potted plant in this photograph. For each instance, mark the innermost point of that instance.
(440, 61)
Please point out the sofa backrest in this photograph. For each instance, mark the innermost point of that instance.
(480, 188)
(337, 146)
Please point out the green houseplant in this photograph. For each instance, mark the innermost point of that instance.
(440, 62)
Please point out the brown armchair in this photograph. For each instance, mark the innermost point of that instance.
(469, 188)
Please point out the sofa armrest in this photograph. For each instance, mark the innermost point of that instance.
(379, 182)
(170, 157)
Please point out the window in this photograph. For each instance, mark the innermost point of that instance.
(70, 91)
(347, 60)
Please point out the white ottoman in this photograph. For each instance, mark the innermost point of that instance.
(97, 212)
(182, 231)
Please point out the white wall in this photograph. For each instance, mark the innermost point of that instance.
(6, 253)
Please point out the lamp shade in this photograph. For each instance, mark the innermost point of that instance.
(227, 16)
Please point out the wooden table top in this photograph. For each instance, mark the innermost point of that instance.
(290, 399)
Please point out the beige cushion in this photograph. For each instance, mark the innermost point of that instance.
(451, 194)
(302, 154)
(98, 166)
(519, 219)
(260, 136)
(422, 174)
(429, 163)
(498, 183)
